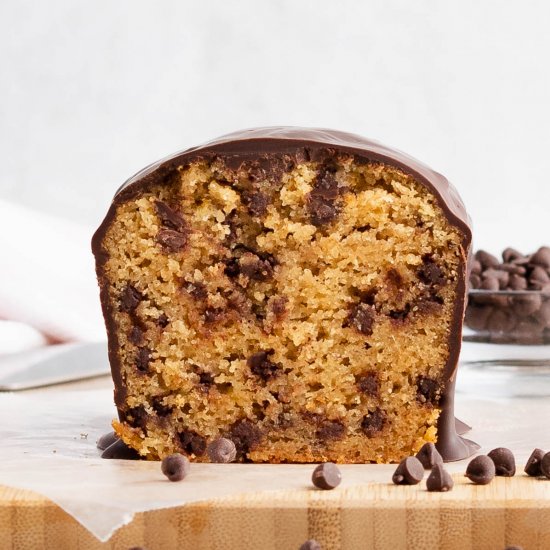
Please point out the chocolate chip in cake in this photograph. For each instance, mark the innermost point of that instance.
(169, 217)
(430, 273)
(162, 320)
(481, 470)
(260, 365)
(545, 465)
(256, 268)
(256, 202)
(246, 436)
(326, 476)
(106, 440)
(361, 318)
(160, 408)
(278, 305)
(331, 430)
(532, 467)
(321, 201)
(196, 290)
(136, 416)
(505, 462)
(130, 299)
(400, 314)
(206, 379)
(429, 456)
(136, 336)
(213, 314)
(192, 442)
(427, 390)
(143, 358)
(171, 241)
(175, 467)
(409, 472)
(373, 423)
(368, 382)
(222, 450)
(439, 479)
(310, 544)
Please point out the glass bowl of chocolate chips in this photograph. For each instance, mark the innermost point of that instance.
(509, 299)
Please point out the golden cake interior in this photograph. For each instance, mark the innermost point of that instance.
(303, 310)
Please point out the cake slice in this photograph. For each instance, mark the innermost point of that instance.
(298, 291)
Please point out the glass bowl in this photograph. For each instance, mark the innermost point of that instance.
(520, 317)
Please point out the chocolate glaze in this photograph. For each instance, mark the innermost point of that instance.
(263, 145)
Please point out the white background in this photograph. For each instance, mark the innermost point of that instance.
(93, 91)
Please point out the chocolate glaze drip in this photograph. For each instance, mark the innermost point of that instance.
(315, 144)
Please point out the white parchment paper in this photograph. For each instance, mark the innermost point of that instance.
(49, 446)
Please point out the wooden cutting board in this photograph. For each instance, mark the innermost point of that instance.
(377, 516)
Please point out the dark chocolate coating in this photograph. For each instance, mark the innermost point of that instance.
(301, 144)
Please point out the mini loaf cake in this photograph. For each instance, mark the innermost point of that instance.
(300, 292)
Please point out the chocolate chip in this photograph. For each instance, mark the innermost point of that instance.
(331, 430)
(246, 436)
(143, 359)
(430, 273)
(136, 336)
(361, 317)
(326, 476)
(213, 314)
(206, 379)
(256, 268)
(400, 314)
(490, 283)
(429, 456)
(256, 202)
(222, 450)
(532, 467)
(368, 382)
(477, 316)
(169, 217)
(476, 267)
(542, 257)
(485, 259)
(439, 479)
(526, 305)
(505, 463)
(106, 440)
(545, 465)
(260, 365)
(160, 408)
(475, 281)
(409, 472)
(171, 240)
(162, 320)
(500, 275)
(509, 254)
(481, 470)
(192, 442)
(321, 202)
(136, 417)
(310, 544)
(278, 305)
(196, 290)
(120, 451)
(543, 314)
(538, 278)
(373, 423)
(427, 390)
(517, 282)
(130, 299)
(175, 467)
(500, 321)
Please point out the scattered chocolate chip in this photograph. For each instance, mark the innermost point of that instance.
(106, 440)
(368, 382)
(143, 358)
(175, 467)
(532, 467)
(427, 390)
(481, 470)
(326, 476)
(120, 451)
(545, 465)
(246, 436)
(361, 318)
(517, 282)
(485, 259)
(439, 479)
(222, 450)
(169, 217)
(130, 299)
(409, 472)
(310, 544)
(171, 240)
(500, 275)
(429, 456)
(373, 423)
(490, 283)
(331, 430)
(192, 442)
(260, 365)
(321, 202)
(475, 267)
(509, 254)
(505, 462)
(538, 278)
(136, 336)
(542, 257)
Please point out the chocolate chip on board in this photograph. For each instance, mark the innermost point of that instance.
(311, 544)
(222, 450)
(326, 476)
(532, 467)
(409, 472)
(429, 456)
(481, 470)
(175, 467)
(545, 465)
(106, 440)
(439, 479)
(505, 462)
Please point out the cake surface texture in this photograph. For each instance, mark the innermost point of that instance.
(298, 291)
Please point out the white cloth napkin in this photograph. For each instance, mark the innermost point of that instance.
(48, 290)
